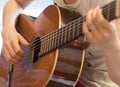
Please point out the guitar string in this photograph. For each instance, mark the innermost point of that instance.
(80, 23)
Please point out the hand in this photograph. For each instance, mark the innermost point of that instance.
(11, 50)
(99, 31)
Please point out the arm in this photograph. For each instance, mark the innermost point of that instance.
(11, 50)
(103, 34)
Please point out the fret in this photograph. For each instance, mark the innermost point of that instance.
(61, 37)
(55, 43)
(108, 12)
(53, 37)
(73, 33)
(53, 40)
(77, 33)
(43, 44)
(42, 47)
(117, 8)
(65, 38)
(66, 28)
(69, 32)
(78, 26)
(46, 41)
(46, 44)
(49, 44)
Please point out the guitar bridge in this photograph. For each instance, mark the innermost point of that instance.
(117, 8)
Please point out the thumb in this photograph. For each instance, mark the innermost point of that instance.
(22, 40)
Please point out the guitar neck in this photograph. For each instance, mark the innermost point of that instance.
(71, 31)
(109, 11)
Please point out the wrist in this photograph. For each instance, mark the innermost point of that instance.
(112, 49)
(7, 29)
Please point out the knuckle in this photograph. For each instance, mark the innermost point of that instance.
(94, 18)
(13, 55)
(106, 35)
(20, 52)
(111, 30)
(8, 42)
(89, 23)
(101, 21)
(9, 59)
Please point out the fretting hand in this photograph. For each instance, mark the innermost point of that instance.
(99, 31)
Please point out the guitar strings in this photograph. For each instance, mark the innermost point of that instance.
(49, 36)
(45, 37)
(80, 22)
(58, 34)
(52, 35)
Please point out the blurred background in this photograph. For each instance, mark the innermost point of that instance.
(34, 9)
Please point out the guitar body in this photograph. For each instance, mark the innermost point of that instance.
(58, 68)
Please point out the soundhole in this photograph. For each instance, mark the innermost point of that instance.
(36, 49)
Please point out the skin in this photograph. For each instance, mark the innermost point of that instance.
(70, 1)
(11, 50)
(101, 33)
(96, 28)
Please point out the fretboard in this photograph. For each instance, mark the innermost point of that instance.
(71, 31)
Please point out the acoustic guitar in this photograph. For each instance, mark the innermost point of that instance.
(48, 44)
(48, 38)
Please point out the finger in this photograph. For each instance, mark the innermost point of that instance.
(86, 30)
(18, 50)
(23, 41)
(16, 58)
(19, 53)
(104, 23)
(10, 49)
(7, 56)
(99, 20)
(90, 24)
(5, 53)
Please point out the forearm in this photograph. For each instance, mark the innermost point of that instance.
(11, 49)
(112, 57)
(106, 36)
(10, 12)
